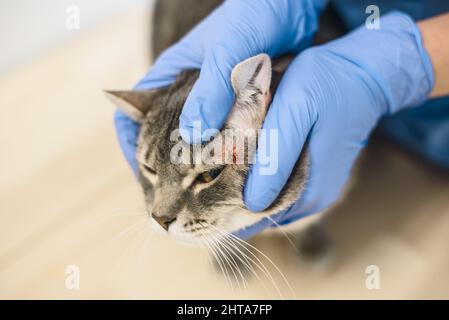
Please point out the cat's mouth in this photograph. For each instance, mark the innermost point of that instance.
(191, 230)
(198, 235)
(211, 228)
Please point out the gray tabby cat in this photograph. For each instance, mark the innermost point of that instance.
(194, 202)
(189, 200)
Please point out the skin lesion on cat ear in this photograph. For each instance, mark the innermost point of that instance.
(134, 103)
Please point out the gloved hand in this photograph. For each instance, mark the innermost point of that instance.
(335, 94)
(235, 31)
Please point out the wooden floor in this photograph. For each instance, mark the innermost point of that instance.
(68, 198)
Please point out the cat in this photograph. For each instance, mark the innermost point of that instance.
(189, 200)
(198, 202)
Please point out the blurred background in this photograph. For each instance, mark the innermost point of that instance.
(68, 198)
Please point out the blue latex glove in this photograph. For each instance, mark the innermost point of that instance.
(335, 94)
(237, 30)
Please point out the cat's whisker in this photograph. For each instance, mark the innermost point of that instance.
(130, 213)
(126, 212)
(286, 234)
(146, 247)
(204, 246)
(135, 253)
(132, 234)
(122, 213)
(244, 244)
(231, 254)
(247, 260)
(257, 262)
(230, 247)
(131, 209)
(231, 264)
(127, 230)
(242, 275)
(226, 235)
(143, 252)
(269, 260)
(124, 236)
(218, 260)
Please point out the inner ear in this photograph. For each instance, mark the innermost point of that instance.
(254, 72)
(134, 103)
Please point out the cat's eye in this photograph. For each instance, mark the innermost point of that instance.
(148, 168)
(210, 175)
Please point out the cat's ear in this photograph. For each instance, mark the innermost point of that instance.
(254, 72)
(134, 103)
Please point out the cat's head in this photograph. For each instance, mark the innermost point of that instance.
(193, 191)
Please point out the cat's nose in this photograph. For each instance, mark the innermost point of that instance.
(164, 220)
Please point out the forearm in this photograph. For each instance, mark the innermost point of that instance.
(435, 34)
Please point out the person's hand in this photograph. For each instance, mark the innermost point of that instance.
(235, 31)
(334, 95)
